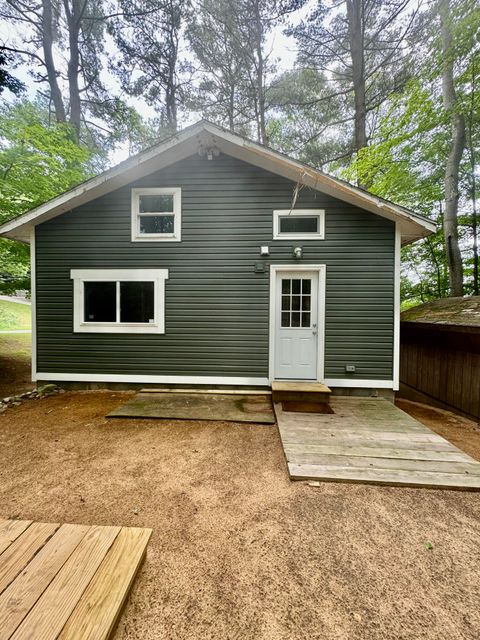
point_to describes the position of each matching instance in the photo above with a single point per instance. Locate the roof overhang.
(202, 136)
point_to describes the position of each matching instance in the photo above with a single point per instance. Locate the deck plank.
(10, 530)
(384, 476)
(22, 550)
(370, 440)
(20, 596)
(373, 451)
(96, 614)
(49, 615)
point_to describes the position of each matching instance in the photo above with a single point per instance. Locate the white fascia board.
(351, 383)
(270, 160)
(177, 148)
(188, 142)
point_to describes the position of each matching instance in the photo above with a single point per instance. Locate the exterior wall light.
(298, 252)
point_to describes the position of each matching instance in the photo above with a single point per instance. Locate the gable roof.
(202, 136)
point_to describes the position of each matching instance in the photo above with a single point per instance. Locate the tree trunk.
(74, 16)
(47, 46)
(260, 64)
(452, 168)
(357, 52)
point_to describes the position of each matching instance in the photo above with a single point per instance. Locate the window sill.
(155, 238)
(103, 327)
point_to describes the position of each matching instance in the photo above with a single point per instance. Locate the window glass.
(156, 203)
(100, 301)
(157, 224)
(296, 303)
(136, 301)
(298, 224)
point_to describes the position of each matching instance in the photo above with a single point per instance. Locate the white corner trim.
(396, 309)
(80, 276)
(176, 236)
(33, 305)
(351, 383)
(321, 269)
(280, 213)
(150, 379)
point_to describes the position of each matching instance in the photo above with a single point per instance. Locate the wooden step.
(299, 391)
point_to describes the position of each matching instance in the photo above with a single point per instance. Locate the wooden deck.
(65, 581)
(369, 440)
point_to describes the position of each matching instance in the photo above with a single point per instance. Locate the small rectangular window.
(299, 224)
(119, 300)
(156, 214)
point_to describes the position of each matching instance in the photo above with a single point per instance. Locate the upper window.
(119, 300)
(156, 214)
(299, 224)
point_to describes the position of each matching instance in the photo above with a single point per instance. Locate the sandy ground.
(15, 364)
(463, 433)
(238, 551)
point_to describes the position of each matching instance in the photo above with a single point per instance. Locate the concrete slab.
(198, 406)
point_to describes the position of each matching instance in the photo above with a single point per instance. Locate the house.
(212, 259)
(440, 354)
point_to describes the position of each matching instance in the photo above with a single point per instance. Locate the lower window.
(119, 300)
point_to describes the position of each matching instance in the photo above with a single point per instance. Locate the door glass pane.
(295, 318)
(156, 204)
(306, 286)
(136, 302)
(305, 303)
(306, 319)
(295, 303)
(298, 224)
(286, 319)
(100, 301)
(296, 286)
(157, 224)
(286, 286)
(285, 303)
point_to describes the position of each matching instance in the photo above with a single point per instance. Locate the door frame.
(275, 269)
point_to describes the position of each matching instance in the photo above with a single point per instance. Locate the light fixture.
(264, 250)
(297, 252)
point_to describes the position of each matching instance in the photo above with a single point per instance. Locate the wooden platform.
(370, 440)
(299, 391)
(65, 581)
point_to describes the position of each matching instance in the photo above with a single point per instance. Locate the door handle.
(314, 331)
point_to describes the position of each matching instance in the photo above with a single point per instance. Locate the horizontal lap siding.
(216, 306)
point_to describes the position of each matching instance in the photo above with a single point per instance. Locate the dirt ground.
(463, 433)
(238, 551)
(15, 364)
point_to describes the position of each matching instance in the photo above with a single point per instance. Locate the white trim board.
(351, 383)
(306, 213)
(322, 270)
(196, 139)
(396, 310)
(33, 300)
(147, 379)
(136, 193)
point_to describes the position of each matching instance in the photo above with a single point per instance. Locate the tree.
(38, 160)
(7, 80)
(148, 38)
(456, 149)
(360, 47)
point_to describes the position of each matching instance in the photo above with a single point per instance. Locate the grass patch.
(14, 316)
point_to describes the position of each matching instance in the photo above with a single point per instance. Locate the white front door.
(296, 325)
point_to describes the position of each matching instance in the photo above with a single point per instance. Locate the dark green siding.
(216, 306)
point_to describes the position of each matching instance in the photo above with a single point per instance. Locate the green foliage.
(38, 161)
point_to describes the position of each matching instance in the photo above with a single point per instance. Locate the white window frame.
(284, 213)
(176, 236)
(157, 276)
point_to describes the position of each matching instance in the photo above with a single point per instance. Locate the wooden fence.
(443, 363)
